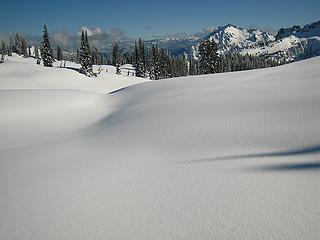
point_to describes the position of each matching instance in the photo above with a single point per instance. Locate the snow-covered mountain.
(295, 43)
(233, 38)
(309, 30)
(292, 43)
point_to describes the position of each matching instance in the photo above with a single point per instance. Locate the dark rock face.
(297, 30)
(286, 32)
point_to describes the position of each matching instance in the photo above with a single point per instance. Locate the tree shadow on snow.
(300, 151)
(119, 90)
(307, 166)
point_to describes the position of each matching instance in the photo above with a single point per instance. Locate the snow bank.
(20, 73)
(225, 156)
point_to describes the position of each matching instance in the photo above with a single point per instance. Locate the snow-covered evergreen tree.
(166, 64)
(152, 63)
(3, 50)
(36, 52)
(46, 50)
(208, 62)
(29, 51)
(85, 56)
(24, 49)
(59, 53)
(9, 51)
(140, 59)
(193, 66)
(94, 56)
(78, 55)
(11, 47)
(18, 44)
(116, 58)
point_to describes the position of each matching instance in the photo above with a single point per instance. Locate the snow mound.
(35, 116)
(222, 156)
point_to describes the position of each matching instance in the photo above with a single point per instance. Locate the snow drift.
(225, 156)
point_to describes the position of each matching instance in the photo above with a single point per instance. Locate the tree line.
(149, 61)
(158, 63)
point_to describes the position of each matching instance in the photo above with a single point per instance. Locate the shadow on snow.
(306, 166)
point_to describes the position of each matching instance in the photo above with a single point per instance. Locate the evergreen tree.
(182, 66)
(18, 44)
(140, 59)
(78, 56)
(46, 50)
(208, 62)
(29, 51)
(94, 56)
(127, 58)
(24, 48)
(152, 63)
(59, 53)
(36, 52)
(166, 64)
(9, 51)
(85, 56)
(192, 66)
(135, 56)
(116, 58)
(11, 47)
(3, 50)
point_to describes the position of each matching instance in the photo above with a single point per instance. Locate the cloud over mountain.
(99, 38)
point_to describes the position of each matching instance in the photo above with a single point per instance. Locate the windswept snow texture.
(225, 156)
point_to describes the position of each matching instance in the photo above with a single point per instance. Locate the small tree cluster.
(231, 62)
(208, 57)
(19, 46)
(161, 64)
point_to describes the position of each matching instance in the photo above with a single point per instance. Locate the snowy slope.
(225, 156)
(15, 71)
(31, 91)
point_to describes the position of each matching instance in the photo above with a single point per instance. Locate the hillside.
(224, 156)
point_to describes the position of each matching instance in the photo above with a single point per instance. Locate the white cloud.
(90, 31)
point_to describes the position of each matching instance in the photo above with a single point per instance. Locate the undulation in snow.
(223, 156)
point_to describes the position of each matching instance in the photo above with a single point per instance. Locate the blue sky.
(150, 18)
